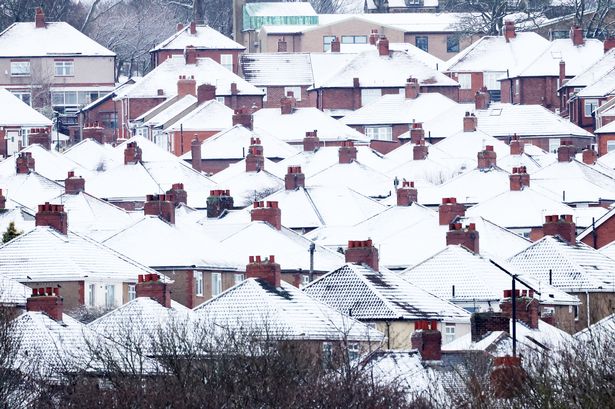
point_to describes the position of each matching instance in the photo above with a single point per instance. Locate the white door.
(12, 142)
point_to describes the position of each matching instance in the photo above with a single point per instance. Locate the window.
(132, 292)
(353, 351)
(422, 42)
(220, 100)
(295, 90)
(305, 280)
(589, 106)
(354, 39)
(109, 295)
(465, 80)
(449, 333)
(239, 278)
(327, 354)
(24, 96)
(64, 68)
(490, 79)
(379, 133)
(610, 146)
(264, 89)
(198, 283)
(414, 3)
(517, 86)
(20, 68)
(216, 284)
(64, 98)
(554, 144)
(452, 44)
(369, 95)
(91, 295)
(326, 42)
(226, 60)
(574, 309)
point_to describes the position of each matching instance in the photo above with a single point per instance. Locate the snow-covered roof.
(598, 222)
(404, 368)
(577, 58)
(286, 311)
(56, 39)
(158, 244)
(206, 71)
(378, 71)
(247, 187)
(16, 113)
(211, 115)
(93, 156)
(48, 163)
(601, 88)
(29, 189)
(494, 53)
(594, 72)
(601, 330)
(574, 267)
(397, 109)
(178, 109)
(43, 255)
(427, 172)
(473, 186)
(608, 160)
(412, 50)
(365, 294)
(506, 120)
(458, 275)
(279, 69)
(356, 176)
(317, 206)
(13, 292)
(326, 64)
(608, 128)
(205, 37)
(292, 127)
(233, 143)
(608, 250)
(519, 209)
(407, 22)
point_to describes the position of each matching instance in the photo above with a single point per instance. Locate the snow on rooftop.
(211, 115)
(93, 156)
(56, 39)
(29, 189)
(608, 250)
(286, 311)
(205, 37)
(292, 127)
(603, 329)
(247, 187)
(16, 113)
(412, 50)
(178, 108)
(279, 69)
(473, 186)
(356, 176)
(13, 292)
(602, 87)
(594, 72)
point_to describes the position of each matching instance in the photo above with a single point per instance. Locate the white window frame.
(449, 332)
(220, 100)
(239, 277)
(64, 68)
(326, 43)
(110, 295)
(379, 133)
(354, 39)
(24, 96)
(490, 79)
(296, 92)
(610, 146)
(91, 295)
(305, 280)
(198, 283)
(465, 80)
(353, 351)
(20, 69)
(132, 292)
(554, 143)
(591, 103)
(264, 89)
(517, 86)
(370, 95)
(216, 284)
(226, 60)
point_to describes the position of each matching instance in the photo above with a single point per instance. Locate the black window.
(422, 42)
(452, 44)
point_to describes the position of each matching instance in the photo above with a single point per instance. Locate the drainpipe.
(588, 320)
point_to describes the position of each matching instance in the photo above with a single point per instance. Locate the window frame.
(239, 278)
(326, 43)
(420, 39)
(452, 43)
(352, 39)
(593, 102)
(67, 68)
(109, 295)
(377, 132)
(610, 145)
(198, 283)
(91, 295)
(296, 92)
(132, 292)
(15, 63)
(216, 284)
(466, 83)
(226, 64)
(449, 332)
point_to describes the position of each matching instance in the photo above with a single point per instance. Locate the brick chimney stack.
(481, 99)
(383, 46)
(24, 163)
(347, 152)
(2, 201)
(449, 210)
(373, 36)
(132, 154)
(94, 131)
(609, 43)
(311, 141)
(362, 252)
(180, 27)
(186, 86)
(407, 194)
(190, 55)
(243, 116)
(193, 27)
(336, 46)
(519, 179)
(509, 30)
(576, 35)
(40, 136)
(48, 301)
(420, 151)
(482, 323)
(73, 185)
(417, 133)
(561, 226)
(39, 18)
(160, 205)
(526, 307)
(566, 152)
(467, 236)
(516, 146)
(255, 159)
(282, 45)
(205, 92)
(427, 340)
(177, 194)
(267, 270)
(590, 156)
(150, 286)
(294, 178)
(234, 88)
(487, 158)
(288, 103)
(218, 202)
(267, 212)
(469, 122)
(412, 88)
(195, 150)
(52, 215)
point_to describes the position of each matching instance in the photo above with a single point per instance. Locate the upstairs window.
(216, 284)
(354, 39)
(379, 133)
(226, 60)
(20, 68)
(422, 42)
(326, 42)
(64, 68)
(296, 92)
(449, 333)
(198, 283)
(239, 277)
(132, 292)
(590, 106)
(452, 44)
(465, 80)
(369, 95)
(109, 296)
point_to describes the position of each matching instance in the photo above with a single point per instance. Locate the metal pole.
(312, 250)
(514, 316)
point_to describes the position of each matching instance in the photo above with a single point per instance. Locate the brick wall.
(71, 291)
(275, 94)
(158, 57)
(182, 144)
(238, 101)
(605, 234)
(602, 140)
(600, 305)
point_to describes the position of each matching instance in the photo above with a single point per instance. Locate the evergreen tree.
(10, 233)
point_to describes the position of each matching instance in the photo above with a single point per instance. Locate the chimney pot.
(590, 156)
(335, 45)
(576, 35)
(383, 46)
(407, 194)
(487, 158)
(468, 237)
(294, 178)
(52, 216)
(562, 226)
(73, 185)
(469, 122)
(449, 210)
(24, 163)
(429, 344)
(566, 151)
(243, 116)
(48, 302)
(267, 270)
(190, 54)
(481, 99)
(362, 252)
(347, 152)
(509, 30)
(270, 213)
(192, 27)
(412, 88)
(311, 141)
(132, 154)
(527, 308)
(152, 287)
(161, 206)
(373, 36)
